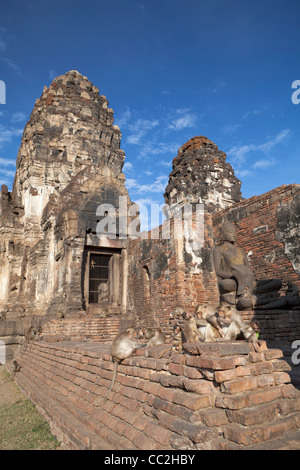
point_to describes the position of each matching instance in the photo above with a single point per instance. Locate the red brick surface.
(186, 401)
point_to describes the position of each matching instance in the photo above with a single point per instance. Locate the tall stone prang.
(201, 175)
(68, 164)
(70, 128)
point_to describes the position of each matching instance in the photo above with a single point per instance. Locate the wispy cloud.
(219, 84)
(156, 186)
(151, 149)
(139, 129)
(12, 65)
(239, 154)
(7, 162)
(52, 74)
(142, 7)
(7, 134)
(124, 118)
(9, 173)
(18, 117)
(265, 163)
(185, 118)
(230, 129)
(251, 113)
(128, 167)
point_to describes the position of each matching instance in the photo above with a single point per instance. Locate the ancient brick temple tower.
(68, 164)
(82, 288)
(201, 174)
(53, 264)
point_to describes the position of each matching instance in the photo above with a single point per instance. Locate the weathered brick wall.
(259, 222)
(164, 273)
(275, 325)
(213, 396)
(87, 327)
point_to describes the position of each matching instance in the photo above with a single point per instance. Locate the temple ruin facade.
(58, 273)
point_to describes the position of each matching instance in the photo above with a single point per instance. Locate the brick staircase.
(219, 395)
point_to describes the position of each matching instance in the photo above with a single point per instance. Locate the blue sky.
(171, 70)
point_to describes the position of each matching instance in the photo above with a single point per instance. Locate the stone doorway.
(102, 279)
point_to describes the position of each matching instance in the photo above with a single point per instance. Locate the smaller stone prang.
(201, 175)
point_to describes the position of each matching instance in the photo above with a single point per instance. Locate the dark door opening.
(99, 289)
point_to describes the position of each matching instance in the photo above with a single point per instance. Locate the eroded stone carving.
(236, 281)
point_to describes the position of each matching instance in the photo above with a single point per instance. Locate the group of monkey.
(206, 324)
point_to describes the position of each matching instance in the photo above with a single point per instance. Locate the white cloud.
(159, 148)
(8, 173)
(238, 154)
(249, 113)
(124, 118)
(7, 134)
(243, 173)
(157, 186)
(230, 129)
(18, 117)
(167, 164)
(12, 65)
(52, 74)
(219, 84)
(185, 119)
(139, 129)
(7, 162)
(128, 167)
(265, 163)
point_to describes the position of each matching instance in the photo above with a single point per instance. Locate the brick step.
(290, 441)
(93, 432)
(85, 401)
(218, 396)
(74, 433)
(251, 435)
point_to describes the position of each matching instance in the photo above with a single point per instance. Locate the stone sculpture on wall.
(236, 281)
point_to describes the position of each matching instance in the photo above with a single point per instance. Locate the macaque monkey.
(235, 326)
(176, 314)
(176, 338)
(175, 342)
(208, 323)
(105, 313)
(32, 334)
(15, 368)
(190, 332)
(123, 346)
(292, 290)
(155, 336)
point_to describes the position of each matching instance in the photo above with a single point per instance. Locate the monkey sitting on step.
(190, 332)
(208, 323)
(123, 346)
(176, 338)
(155, 336)
(234, 325)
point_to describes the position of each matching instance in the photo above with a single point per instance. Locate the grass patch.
(23, 428)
